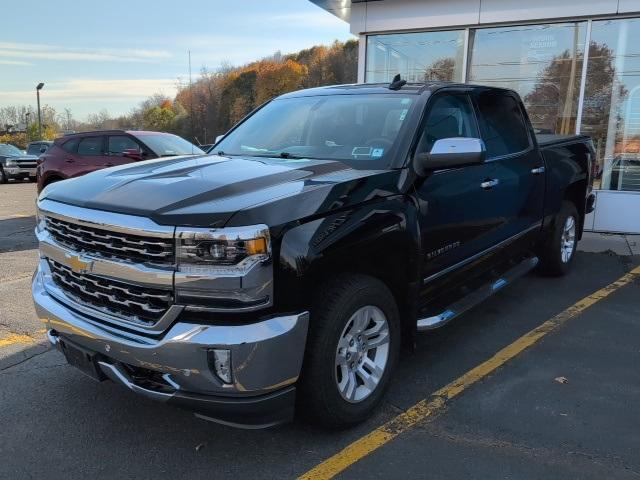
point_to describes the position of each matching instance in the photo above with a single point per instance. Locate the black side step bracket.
(477, 296)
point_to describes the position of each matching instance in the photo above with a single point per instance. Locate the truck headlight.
(11, 163)
(223, 250)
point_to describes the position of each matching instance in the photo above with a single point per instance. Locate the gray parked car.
(15, 164)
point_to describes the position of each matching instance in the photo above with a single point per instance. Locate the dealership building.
(576, 64)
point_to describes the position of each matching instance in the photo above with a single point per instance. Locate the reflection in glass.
(611, 111)
(417, 57)
(543, 63)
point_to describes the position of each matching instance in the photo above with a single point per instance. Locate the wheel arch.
(380, 240)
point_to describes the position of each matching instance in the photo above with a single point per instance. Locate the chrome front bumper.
(266, 357)
(20, 171)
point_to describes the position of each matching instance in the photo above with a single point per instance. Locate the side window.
(504, 128)
(90, 146)
(119, 143)
(449, 116)
(70, 145)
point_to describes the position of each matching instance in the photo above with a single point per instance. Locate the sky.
(112, 55)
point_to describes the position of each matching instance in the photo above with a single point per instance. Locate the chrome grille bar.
(138, 304)
(111, 244)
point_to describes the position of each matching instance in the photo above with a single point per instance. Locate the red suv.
(80, 153)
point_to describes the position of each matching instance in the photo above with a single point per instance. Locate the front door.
(458, 207)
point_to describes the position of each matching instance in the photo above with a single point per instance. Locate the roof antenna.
(397, 83)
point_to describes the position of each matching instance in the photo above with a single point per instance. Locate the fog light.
(220, 360)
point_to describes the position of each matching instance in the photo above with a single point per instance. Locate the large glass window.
(611, 111)
(417, 57)
(543, 63)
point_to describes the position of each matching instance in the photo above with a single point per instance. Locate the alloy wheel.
(362, 354)
(568, 239)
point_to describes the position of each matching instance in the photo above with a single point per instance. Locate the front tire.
(558, 255)
(352, 351)
(3, 176)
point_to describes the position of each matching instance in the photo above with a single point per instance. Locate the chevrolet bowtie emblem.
(79, 264)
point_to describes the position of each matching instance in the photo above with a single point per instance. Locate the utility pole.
(38, 88)
(191, 99)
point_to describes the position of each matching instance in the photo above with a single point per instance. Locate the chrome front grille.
(132, 303)
(111, 244)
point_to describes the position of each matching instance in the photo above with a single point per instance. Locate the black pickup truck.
(289, 267)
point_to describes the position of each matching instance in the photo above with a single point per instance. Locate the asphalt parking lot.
(520, 420)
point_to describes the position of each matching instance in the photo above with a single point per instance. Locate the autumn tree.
(274, 79)
(552, 103)
(442, 70)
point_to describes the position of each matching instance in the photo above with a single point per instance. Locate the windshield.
(168, 145)
(9, 150)
(35, 148)
(359, 129)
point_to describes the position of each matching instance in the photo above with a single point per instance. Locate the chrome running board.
(477, 296)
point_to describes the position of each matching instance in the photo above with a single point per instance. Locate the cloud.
(16, 62)
(90, 89)
(56, 52)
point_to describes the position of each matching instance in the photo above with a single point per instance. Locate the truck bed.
(550, 139)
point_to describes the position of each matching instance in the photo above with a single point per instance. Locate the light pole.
(38, 88)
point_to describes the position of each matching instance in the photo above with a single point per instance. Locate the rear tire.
(352, 351)
(559, 252)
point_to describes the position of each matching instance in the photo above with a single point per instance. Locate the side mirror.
(43, 149)
(218, 138)
(451, 153)
(132, 153)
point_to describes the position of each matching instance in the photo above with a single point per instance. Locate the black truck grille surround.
(114, 245)
(26, 163)
(136, 304)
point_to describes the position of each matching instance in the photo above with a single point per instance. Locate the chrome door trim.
(478, 255)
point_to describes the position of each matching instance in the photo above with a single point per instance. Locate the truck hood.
(217, 190)
(20, 158)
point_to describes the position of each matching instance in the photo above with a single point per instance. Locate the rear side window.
(70, 145)
(119, 143)
(503, 125)
(90, 146)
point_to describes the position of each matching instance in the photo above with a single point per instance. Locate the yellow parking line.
(428, 407)
(19, 338)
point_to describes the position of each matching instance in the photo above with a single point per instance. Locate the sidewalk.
(619, 244)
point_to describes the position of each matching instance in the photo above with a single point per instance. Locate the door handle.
(108, 164)
(489, 184)
(537, 171)
(69, 160)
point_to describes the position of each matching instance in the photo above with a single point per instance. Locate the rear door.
(90, 155)
(458, 217)
(517, 166)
